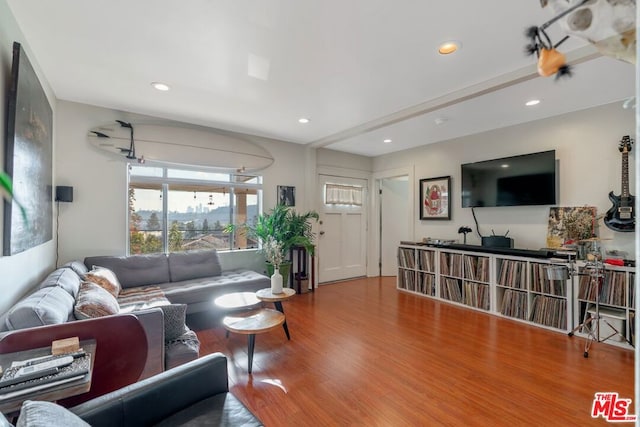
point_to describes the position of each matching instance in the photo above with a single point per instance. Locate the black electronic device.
(64, 193)
(524, 180)
(532, 253)
(497, 241)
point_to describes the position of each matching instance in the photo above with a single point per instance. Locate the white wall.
(18, 273)
(96, 222)
(586, 145)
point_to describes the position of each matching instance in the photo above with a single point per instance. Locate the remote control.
(77, 354)
(26, 377)
(56, 363)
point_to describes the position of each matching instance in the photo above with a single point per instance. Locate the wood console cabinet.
(516, 287)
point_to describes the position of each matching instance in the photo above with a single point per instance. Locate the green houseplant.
(286, 226)
(6, 189)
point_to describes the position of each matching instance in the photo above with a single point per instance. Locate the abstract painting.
(28, 159)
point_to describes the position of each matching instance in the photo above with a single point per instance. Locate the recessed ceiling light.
(303, 120)
(440, 120)
(532, 102)
(449, 47)
(160, 86)
(387, 141)
(504, 165)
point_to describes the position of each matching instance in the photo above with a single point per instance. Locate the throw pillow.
(94, 301)
(46, 414)
(105, 278)
(174, 321)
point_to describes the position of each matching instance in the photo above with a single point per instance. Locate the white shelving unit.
(517, 287)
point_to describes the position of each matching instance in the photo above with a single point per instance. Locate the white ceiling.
(361, 70)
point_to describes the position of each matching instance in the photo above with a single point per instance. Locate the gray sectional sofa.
(194, 278)
(149, 284)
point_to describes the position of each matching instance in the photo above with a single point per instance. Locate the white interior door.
(342, 240)
(393, 209)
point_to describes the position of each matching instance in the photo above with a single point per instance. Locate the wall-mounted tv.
(525, 180)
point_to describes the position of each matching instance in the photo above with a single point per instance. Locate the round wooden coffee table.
(252, 323)
(237, 301)
(267, 296)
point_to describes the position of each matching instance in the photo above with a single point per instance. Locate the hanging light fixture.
(211, 200)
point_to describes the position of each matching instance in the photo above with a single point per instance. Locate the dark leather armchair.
(196, 393)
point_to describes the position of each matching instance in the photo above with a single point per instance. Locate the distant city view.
(190, 226)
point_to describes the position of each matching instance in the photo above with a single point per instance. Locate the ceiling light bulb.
(387, 141)
(449, 47)
(303, 120)
(532, 102)
(160, 86)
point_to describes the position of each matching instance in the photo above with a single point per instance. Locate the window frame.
(164, 183)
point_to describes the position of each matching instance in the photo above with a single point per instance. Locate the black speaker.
(64, 194)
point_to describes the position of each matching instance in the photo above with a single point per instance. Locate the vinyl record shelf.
(517, 287)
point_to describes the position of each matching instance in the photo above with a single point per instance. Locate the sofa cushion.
(136, 270)
(181, 350)
(43, 414)
(65, 278)
(193, 265)
(94, 301)
(77, 266)
(174, 320)
(46, 306)
(222, 409)
(208, 288)
(104, 278)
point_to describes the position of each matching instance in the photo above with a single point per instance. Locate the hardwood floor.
(363, 353)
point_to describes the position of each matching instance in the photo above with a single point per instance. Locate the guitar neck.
(624, 194)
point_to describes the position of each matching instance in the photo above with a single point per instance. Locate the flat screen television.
(525, 180)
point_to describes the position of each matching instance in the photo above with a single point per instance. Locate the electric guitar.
(621, 216)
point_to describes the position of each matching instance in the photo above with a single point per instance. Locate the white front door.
(342, 240)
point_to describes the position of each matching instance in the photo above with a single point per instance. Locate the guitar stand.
(596, 274)
(593, 332)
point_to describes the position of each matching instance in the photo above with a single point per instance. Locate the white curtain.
(340, 194)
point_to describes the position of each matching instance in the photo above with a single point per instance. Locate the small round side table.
(266, 295)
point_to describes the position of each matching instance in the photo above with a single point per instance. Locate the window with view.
(174, 210)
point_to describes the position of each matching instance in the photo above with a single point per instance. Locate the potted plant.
(286, 226)
(6, 189)
(274, 255)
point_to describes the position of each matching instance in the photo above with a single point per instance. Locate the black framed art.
(28, 159)
(286, 195)
(435, 198)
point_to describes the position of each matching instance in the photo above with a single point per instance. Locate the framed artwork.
(28, 159)
(286, 195)
(435, 200)
(568, 225)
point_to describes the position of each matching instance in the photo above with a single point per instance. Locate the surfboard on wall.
(181, 146)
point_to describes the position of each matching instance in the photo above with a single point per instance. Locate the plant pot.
(285, 269)
(304, 282)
